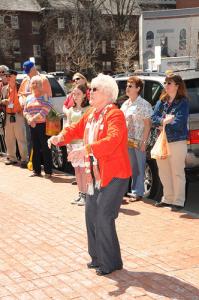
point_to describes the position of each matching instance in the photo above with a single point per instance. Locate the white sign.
(158, 55)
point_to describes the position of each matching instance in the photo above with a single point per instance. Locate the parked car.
(153, 86)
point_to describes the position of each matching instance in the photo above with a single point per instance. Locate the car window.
(57, 90)
(193, 93)
(152, 91)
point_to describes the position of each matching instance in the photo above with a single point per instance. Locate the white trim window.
(3, 43)
(15, 22)
(60, 23)
(104, 47)
(35, 27)
(36, 50)
(1, 20)
(16, 46)
(113, 44)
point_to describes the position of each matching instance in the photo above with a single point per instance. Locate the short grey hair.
(4, 68)
(108, 84)
(36, 78)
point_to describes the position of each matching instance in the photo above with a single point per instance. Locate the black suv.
(153, 85)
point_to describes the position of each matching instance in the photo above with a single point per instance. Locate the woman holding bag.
(172, 112)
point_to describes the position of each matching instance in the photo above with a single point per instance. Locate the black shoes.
(162, 204)
(92, 265)
(9, 162)
(173, 207)
(100, 272)
(34, 174)
(176, 207)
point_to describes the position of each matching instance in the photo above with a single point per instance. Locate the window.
(60, 22)
(126, 44)
(112, 44)
(36, 50)
(35, 27)
(182, 39)
(152, 91)
(1, 20)
(193, 92)
(15, 22)
(149, 39)
(16, 46)
(2, 43)
(106, 65)
(17, 66)
(126, 26)
(103, 47)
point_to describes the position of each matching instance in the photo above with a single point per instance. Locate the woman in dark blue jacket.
(172, 111)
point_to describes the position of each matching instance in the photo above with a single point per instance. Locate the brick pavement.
(43, 248)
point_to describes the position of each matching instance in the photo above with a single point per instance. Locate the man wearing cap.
(24, 90)
(15, 126)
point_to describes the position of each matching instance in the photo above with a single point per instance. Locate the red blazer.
(110, 149)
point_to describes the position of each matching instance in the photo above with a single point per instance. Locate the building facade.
(38, 29)
(176, 31)
(187, 3)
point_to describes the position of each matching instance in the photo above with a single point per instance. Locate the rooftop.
(20, 5)
(177, 13)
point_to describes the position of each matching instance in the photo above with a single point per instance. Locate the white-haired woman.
(36, 109)
(103, 129)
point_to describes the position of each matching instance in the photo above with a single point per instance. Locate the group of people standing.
(114, 148)
(26, 109)
(107, 146)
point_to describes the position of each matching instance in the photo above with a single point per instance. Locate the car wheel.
(59, 157)
(152, 183)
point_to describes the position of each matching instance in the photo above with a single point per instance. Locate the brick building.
(187, 3)
(20, 32)
(24, 25)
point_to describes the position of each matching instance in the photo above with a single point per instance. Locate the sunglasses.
(2, 72)
(93, 89)
(168, 82)
(8, 75)
(130, 86)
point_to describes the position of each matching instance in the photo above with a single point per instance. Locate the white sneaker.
(75, 201)
(82, 200)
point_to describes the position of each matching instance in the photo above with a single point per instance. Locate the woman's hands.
(168, 119)
(31, 122)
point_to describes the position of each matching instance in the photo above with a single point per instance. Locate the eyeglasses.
(93, 89)
(2, 72)
(130, 86)
(168, 82)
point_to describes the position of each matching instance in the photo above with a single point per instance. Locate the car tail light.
(194, 136)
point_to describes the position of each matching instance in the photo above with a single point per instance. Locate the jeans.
(138, 161)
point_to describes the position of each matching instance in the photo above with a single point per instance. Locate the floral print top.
(135, 112)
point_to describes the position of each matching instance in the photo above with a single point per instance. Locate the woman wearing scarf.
(107, 170)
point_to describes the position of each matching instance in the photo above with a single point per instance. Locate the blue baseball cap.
(27, 66)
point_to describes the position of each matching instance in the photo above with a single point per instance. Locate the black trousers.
(102, 209)
(40, 149)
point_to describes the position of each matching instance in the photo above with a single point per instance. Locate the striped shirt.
(35, 106)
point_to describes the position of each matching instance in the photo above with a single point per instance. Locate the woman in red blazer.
(107, 170)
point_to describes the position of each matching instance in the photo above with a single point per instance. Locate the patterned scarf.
(93, 126)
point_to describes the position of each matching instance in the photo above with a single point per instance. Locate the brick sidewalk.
(43, 248)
